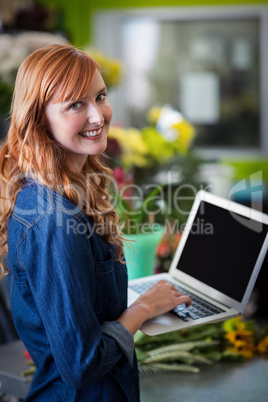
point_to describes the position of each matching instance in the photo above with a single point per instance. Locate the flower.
(140, 154)
(153, 114)
(241, 339)
(134, 150)
(111, 69)
(159, 149)
(149, 146)
(187, 349)
(166, 249)
(263, 345)
(185, 134)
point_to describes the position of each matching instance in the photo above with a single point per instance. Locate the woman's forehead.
(65, 92)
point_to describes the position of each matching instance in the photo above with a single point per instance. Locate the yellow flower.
(153, 114)
(148, 147)
(111, 69)
(241, 339)
(263, 345)
(243, 350)
(186, 133)
(133, 147)
(158, 148)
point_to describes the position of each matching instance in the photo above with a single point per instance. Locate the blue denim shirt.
(66, 291)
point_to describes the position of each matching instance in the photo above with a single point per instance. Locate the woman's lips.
(91, 134)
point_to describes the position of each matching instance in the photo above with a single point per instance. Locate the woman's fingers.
(172, 288)
(186, 300)
(163, 297)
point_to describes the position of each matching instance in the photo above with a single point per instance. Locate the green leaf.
(165, 368)
(186, 346)
(141, 356)
(229, 355)
(215, 356)
(29, 372)
(138, 337)
(138, 213)
(212, 331)
(230, 325)
(149, 342)
(175, 356)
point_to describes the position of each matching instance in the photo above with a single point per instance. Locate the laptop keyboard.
(199, 308)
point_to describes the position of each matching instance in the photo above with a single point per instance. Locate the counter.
(220, 382)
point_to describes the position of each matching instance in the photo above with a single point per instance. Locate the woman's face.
(81, 126)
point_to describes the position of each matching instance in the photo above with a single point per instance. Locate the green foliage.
(175, 357)
(187, 349)
(5, 98)
(132, 216)
(165, 368)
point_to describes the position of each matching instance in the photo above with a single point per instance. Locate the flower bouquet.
(138, 155)
(167, 137)
(188, 349)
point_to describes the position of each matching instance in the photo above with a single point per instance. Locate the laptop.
(217, 262)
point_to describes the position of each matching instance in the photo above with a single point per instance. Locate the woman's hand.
(159, 299)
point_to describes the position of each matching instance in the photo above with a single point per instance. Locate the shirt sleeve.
(125, 339)
(60, 270)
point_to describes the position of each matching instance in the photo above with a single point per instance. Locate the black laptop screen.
(222, 249)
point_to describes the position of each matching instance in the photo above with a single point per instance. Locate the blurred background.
(206, 60)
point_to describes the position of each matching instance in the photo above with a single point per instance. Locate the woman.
(67, 280)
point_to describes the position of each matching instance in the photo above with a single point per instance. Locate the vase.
(140, 254)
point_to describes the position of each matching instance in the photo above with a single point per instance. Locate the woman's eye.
(76, 106)
(101, 97)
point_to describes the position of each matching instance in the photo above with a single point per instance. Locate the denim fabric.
(66, 291)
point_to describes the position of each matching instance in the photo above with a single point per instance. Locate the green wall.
(160, 3)
(76, 14)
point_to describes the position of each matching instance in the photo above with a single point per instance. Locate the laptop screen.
(226, 247)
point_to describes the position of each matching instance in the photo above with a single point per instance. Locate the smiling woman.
(65, 263)
(81, 126)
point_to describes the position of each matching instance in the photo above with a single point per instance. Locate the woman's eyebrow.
(103, 89)
(84, 97)
(75, 100)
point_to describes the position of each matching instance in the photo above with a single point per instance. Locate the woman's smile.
(91, 134)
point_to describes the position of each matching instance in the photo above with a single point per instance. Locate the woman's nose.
(94, 115)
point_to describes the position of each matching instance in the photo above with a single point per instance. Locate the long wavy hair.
(29, 149)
